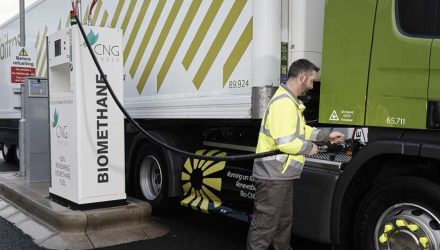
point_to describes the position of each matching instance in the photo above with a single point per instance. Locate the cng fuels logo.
(104, 51)
(55, 118)
(92, 38)
(61, 131)
(201, 182)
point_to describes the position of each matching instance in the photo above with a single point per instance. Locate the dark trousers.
(272, 218)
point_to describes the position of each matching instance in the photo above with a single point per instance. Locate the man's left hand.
(336, 137)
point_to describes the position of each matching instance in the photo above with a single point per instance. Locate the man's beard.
(306, 90)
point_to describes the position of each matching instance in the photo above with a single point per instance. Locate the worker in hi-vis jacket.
(283, 127)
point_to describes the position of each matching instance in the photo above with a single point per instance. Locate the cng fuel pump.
(86, 127)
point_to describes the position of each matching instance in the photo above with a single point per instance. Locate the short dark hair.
(301, 65)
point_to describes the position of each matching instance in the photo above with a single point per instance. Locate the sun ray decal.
(199, 182)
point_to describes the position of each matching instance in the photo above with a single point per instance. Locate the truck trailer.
(199, 74)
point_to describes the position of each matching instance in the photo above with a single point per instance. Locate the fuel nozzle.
(322, 148)
(328, 147)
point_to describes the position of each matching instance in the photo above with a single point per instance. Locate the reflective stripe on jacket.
(283, 127)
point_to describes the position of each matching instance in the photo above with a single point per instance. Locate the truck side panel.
(346, 58)
(182, 59)
(8, 100)
(190, 59)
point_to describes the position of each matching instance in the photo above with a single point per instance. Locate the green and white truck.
(198, 75)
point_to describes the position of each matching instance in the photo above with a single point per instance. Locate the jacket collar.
(295, 99)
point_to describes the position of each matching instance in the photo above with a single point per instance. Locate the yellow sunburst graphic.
(200, 183)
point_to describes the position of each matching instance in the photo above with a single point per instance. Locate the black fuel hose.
(152, 138)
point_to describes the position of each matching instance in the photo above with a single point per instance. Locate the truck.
(199, 74)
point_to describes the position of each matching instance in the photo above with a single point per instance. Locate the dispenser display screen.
(58, 47)
(37, 88)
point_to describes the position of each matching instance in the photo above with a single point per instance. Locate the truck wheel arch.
(363, 160)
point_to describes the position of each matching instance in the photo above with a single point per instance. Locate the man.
(283, 127)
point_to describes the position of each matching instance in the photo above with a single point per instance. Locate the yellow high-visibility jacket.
(283, 127)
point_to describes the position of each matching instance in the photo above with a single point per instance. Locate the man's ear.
(302, 77)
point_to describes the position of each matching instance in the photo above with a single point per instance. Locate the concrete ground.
(192, 230)
(50, 225)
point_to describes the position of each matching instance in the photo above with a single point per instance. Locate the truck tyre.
(399, 213)
(9, 153)
(151, 177)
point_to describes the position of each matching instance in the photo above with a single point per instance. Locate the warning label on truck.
(347, 115)
(334, 116)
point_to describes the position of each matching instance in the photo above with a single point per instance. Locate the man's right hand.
(314, 150)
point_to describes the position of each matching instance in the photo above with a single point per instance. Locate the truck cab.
(380, 71)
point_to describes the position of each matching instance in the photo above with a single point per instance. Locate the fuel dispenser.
(86, 127)
(35, 129)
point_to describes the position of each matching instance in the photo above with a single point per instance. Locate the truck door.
(433, 119)
(399, 67)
